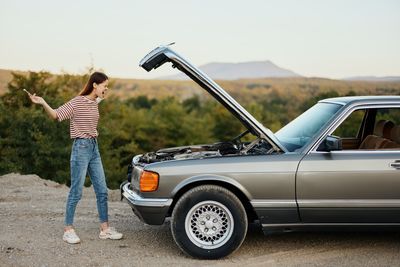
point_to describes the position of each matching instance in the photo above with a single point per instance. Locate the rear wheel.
(209, 222)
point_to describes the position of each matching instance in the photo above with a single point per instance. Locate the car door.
(351, 185)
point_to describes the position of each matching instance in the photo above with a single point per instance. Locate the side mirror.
(330, 143)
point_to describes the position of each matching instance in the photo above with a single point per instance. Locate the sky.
(330, 38)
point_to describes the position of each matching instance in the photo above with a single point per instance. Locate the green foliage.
(141, 102)
(350, 127)
(310, 102)
(225, 126)
(30, 142)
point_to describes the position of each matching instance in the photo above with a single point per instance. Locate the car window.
(380, 132)
(390, 114)
(351, 125)
(299, 132)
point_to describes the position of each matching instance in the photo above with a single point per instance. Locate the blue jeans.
(85, 159)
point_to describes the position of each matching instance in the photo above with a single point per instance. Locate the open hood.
(163, 54)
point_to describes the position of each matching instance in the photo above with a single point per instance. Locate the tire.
(209, 222)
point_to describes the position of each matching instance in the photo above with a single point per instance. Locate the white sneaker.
(71, 237)
(110, 233)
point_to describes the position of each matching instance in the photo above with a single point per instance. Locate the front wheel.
(209, 222)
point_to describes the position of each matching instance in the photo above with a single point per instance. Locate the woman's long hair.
(96, 77)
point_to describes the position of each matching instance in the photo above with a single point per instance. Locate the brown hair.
(96, 77)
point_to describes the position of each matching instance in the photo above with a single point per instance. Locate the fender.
(208, 177)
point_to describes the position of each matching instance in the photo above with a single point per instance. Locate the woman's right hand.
(39, 100)
(36, 99)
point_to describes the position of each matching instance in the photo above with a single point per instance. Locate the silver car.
(336, 165)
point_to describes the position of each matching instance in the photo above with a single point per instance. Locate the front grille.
(129, 174)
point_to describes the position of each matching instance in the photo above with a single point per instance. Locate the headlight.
(148, 181)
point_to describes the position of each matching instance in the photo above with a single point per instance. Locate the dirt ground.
(32, 213)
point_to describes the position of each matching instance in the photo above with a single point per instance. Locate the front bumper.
(149, 210)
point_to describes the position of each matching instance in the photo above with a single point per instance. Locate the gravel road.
(32, 213)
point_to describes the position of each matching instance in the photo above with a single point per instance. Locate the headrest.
(383, 127)
(387, 129)
(395, 134)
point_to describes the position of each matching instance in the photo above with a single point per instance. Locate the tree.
(30, 142)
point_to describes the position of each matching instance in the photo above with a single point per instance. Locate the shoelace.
(109, 230)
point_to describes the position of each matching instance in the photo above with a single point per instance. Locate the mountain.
(374, 78)
(243, 70)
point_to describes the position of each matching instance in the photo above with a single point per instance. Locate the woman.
(83, 113)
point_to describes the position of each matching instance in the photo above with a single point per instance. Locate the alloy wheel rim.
(209, 224)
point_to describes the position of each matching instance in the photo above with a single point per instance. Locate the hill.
(245, 90)
(374, 78)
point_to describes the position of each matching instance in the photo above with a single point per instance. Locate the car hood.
(163, 54)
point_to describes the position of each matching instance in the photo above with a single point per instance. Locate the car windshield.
(297, 133)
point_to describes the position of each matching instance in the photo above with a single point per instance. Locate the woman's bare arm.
(39, 100)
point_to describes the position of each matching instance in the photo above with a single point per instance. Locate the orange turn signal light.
(148, 181)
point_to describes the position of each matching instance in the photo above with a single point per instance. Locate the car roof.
(346, 100)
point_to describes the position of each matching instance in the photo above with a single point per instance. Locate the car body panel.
(150, 211)
(248, 171)
(349, 186)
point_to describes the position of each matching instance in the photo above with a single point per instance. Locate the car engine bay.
(226, 148)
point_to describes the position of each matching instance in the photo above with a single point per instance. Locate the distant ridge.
(243, 70)
(374, 78)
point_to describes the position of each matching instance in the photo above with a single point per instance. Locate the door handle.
(395, 164)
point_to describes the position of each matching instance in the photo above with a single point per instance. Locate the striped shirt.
(83, 114)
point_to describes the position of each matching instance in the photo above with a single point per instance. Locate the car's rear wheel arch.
(251, 214)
